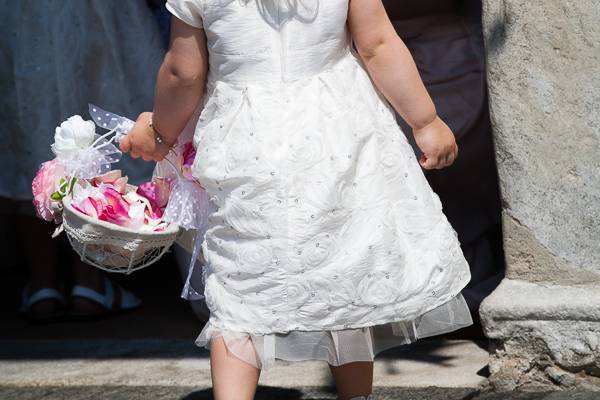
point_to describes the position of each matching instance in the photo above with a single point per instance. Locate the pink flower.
(44, 184)
(189, 154)
(89, 206)
(157, 192)
(116, 209)
(107, 205)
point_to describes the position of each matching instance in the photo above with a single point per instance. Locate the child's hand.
(437, 143)
(141, 142)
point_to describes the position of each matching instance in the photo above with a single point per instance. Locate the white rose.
(73, 135)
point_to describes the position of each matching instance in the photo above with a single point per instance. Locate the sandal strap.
(115, 298)
(105, 300)
(39, 295)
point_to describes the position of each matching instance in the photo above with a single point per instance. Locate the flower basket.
(110, 224)
(111, 247)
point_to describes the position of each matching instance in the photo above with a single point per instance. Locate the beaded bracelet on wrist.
(158, 137)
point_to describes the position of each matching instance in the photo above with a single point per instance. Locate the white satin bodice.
(280, 42)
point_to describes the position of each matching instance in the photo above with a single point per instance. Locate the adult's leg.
(353, 379)
(41, 254)
(232, 378)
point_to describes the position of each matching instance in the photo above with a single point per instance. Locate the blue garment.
(163, 17)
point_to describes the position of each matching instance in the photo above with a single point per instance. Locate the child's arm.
(395, 74)
(179, 86)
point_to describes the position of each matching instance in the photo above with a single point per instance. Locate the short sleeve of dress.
(189, 11)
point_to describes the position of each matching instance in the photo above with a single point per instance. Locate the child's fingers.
(450, 159)
(453, 155)
(431, 162)
(125, 144)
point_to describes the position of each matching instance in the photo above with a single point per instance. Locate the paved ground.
(159, 362)
(271, 393)
(174, 369)
(150, 354)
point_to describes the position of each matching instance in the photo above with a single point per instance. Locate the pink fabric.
(189, 154)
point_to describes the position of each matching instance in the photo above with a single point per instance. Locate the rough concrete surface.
(543, 335)
(272, 393)
(543, 60)
(275, 393)
(439, 363)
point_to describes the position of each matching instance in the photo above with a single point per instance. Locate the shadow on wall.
(497, 33)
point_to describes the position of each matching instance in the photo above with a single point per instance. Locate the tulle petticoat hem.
(338, 347)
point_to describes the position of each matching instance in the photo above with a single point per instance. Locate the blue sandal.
(29, 299)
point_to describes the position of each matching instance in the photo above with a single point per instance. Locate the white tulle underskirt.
(338, 347)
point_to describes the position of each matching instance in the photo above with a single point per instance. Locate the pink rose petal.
(109, 177)
(90, 207)
(115, 200)
(157, 192)
(121, 184)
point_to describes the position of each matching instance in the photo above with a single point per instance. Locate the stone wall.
(544, 82)
(543, 321)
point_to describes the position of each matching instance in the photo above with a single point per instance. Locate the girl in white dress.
(326, 241)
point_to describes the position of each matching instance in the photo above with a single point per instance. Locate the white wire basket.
(111, 247)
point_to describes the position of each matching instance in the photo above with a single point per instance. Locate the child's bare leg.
(353, 379)
(232, 378)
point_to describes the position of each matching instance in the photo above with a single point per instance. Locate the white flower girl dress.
(326, 241)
